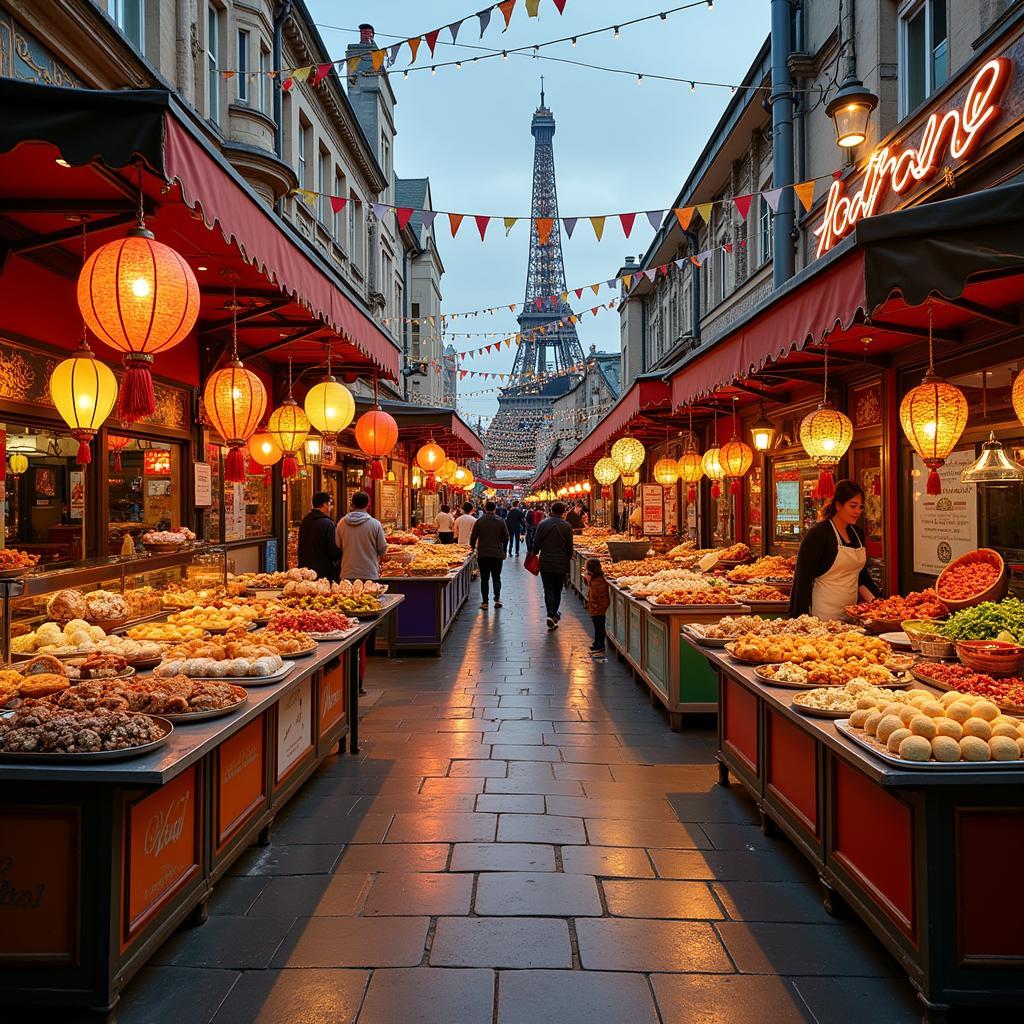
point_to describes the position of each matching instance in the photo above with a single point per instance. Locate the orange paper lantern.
(735, 457)
(376, 435)
(235, 401)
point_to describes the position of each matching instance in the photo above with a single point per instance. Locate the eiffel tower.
(547, 364)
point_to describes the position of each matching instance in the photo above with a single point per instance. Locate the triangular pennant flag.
(805, 193)
(684, 216)
(427, 217)
(431, 38)
(510, 223)
(402, 215)
(704, 209)
(594, 310)
(302, 74)
(485, 20)
(506, 10)
(228, 75)
(695, 261)
(508, 341)
(626, 280)
(595, 288)
(574, 319)
(544, 226)
(511, 307)
(338, 203)
(454, 29)
(597, 223)
(772, 196)
(322, 71)
(537, 303)
(570, 225)
(353, 64)
(742, 204)
(655, 217)
(454, 220)
(651, 275)
(377, 59)
(379, 209)
(613, 283)
(626, 220)
(560, 4)
(393, 55)
(414, 46)
(308, 196)
(462, 374)
(481, 224)
(430, 320)
(579, 293)
(727, 246)
(565, 296)
(532, 8)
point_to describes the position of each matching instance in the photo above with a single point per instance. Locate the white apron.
(839, 587)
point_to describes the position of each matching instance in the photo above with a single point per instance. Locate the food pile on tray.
(842, 701)
(923, 604)
(274, 580)
(829, 673)
(732, 626)
(333, 603)
(77, 637)
(285, 641)
(215, 620)
(1006, 691)
(165, 632)
(237, 655)
(174, 695)
(770, 568)
(47, 729)
(315, 623)
(324, 587)
(797, 649)
(96, 606)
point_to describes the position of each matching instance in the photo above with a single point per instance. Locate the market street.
(521, 838)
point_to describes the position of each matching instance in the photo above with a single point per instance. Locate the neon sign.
(959, 130)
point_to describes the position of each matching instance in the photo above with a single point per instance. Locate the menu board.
(946, 524)
(203, 484)
(389, 503)
(234, 512)
(652, 499)
(294, 726)
(672, 509)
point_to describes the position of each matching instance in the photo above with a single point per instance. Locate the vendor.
(831, 566)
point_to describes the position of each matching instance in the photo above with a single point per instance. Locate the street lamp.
(850, 110)
(763, 431)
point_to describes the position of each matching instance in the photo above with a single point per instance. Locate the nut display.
(44, 728)
(175, 695)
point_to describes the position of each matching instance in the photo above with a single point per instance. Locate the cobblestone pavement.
(521, 839)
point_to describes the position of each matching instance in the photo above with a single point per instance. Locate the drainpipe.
(406, 330)
(691, 237)
(801, 104)
(783, 263)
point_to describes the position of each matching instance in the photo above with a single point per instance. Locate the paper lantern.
(1017, 396)
(263, 453)
(376, 435)
(713, 470)
(116, 443)
(606, 472)
(762, 432)
(628, 454)
(84, 391)
(17, 463)
(825, 435)
(141, 298)
(462, 478)
(430, 458)
(329, 407)
(691, 469)
(666, 472)
(447, 470)
(235, 401)
(586, 486)
(933, 416)
(629, 482)
(288, 427)
(735, 457)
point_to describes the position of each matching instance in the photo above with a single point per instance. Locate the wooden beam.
(995, 316)
(34, 242)
(246, 315)
(284, 342)
(915, 332)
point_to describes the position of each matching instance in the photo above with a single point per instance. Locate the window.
(924, 53)
(323, 184)
(300, 170)
(723, 270)
(385, 163)
(355, 227)
(765, 225)
(386, 282)
(415, 334)
(213, 61)
(339, 190)
(129, 17)
(243, 66)
(265, 82)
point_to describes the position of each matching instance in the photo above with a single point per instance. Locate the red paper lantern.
(376, 435)
(116, 443)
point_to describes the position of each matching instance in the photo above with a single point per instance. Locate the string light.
(504, 55)
(574, 42)
(458, 64)
(639, 79)
(693, 87)
(616, 31)
(433, 71)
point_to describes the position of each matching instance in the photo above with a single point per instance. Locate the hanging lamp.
(235, 401)
(691, 468)
(993, 466)
(264, 452)
(447, 470)
(762, 432)
(629, 482)
(329, 405)
(933, 416)
(430, 458)
(116, 443)
(712, 466)
(141, 298)
(825, 435)
(606, 473)
(17, 463)
(735, 456)
(376, 435)
(628, 454)
(288, 427)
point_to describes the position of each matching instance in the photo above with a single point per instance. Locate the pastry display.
(274, 580)
(839, 648)
(802, 625)
(98, 666)
(828, 673)
(401, 537)
(175, 695)
(310, 622)
(165, 632)
(66, 604)
(177, 595)
(45, 728)
(130, 649)
(713, 596)
(12, 559)
(771, 567)
(75, 638)
(735, 553)
(638, 567)
(216, 620)
(844, 699)
(181, 535)
(334, 603)
(285, 641)
(143, 601)
(346, 588)
(1007, 691)
(389, 569)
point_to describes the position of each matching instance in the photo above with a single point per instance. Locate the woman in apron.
(831, 566)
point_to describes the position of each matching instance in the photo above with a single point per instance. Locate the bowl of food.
(937, 648)
(919, 630)
(973, 578)
(993, 657)
(628, 550)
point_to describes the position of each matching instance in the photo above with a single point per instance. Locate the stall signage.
(203, 484)
(162, 846)
(76, 482)
(957, 131)
(294, 727)
(946, 524)
(671, 509)
(240, 778)
(652, 498)
(389, 503)
(156, 462)
(332, 697)
(38, 885)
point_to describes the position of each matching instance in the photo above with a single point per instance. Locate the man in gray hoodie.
(362, 541)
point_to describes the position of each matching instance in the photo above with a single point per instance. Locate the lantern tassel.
(377, 470)
(290, 467)
(234, 467)
(431, 483)
(117, 462)
(84, 452)
(736, 487)
(934, 485)
(716, 490)
(826, 484)
(691, 494)
(136, 400)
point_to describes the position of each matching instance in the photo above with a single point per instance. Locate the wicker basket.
(628, 550)
(996, 592)
(994, 657)
(937, 648)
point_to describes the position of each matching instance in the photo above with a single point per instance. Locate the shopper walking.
(516, 523)
(598, 599)
(318, 549)
(490, 539)
(574, 519)
(445, 523)
(465, 523)
(552, 543)
(531, 527)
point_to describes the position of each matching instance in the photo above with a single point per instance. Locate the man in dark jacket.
(490, 538)
(552, 542)
(516, 523)
(574, 519)
(318, 550)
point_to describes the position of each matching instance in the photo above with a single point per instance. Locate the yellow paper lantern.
(17, 463)
(235, 400)
(825, 435)
(84, 391)
(628, 454)
(447, 470)
(606, 472)
(329, 407)
(933, 416)
(288, 427)
(666, 472)
(712, 467)
(735, 457)
(430, 458)
(1017, 396)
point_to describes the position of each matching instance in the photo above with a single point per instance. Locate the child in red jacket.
(598, 599)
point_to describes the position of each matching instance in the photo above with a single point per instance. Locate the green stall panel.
(657, 667)
(698, 682)
(619, 603)
(635, 647)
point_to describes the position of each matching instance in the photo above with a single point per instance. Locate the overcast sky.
(619, 145)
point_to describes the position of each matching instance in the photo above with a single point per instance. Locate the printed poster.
(203, 484)
(652, 499)
(946, 524)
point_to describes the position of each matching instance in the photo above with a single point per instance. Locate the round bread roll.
(892, 708)
(945, 748)
(949, 727)
(887, 726)
(948, 698)
(871, 722)
(978, 727)
(932, 708)
(1020, 745)
(915, 748)
(959, 711)
(923, 725)
(1004, 729)
(973, 748)
(907, 712)
(858, 718)
(865, 702)
(896, 737)
(1006, 720)
(987, 710)
(1002, 748)
(918, 692)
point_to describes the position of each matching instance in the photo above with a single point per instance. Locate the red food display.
(924, 604)
(1008, 690)
(970, 576)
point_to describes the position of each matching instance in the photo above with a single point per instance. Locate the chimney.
(630, 260)
(366, 34)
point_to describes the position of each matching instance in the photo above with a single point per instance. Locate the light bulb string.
(140, 211)
(931, 343)
(234, 325)
(85, 254)
(825, 395)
